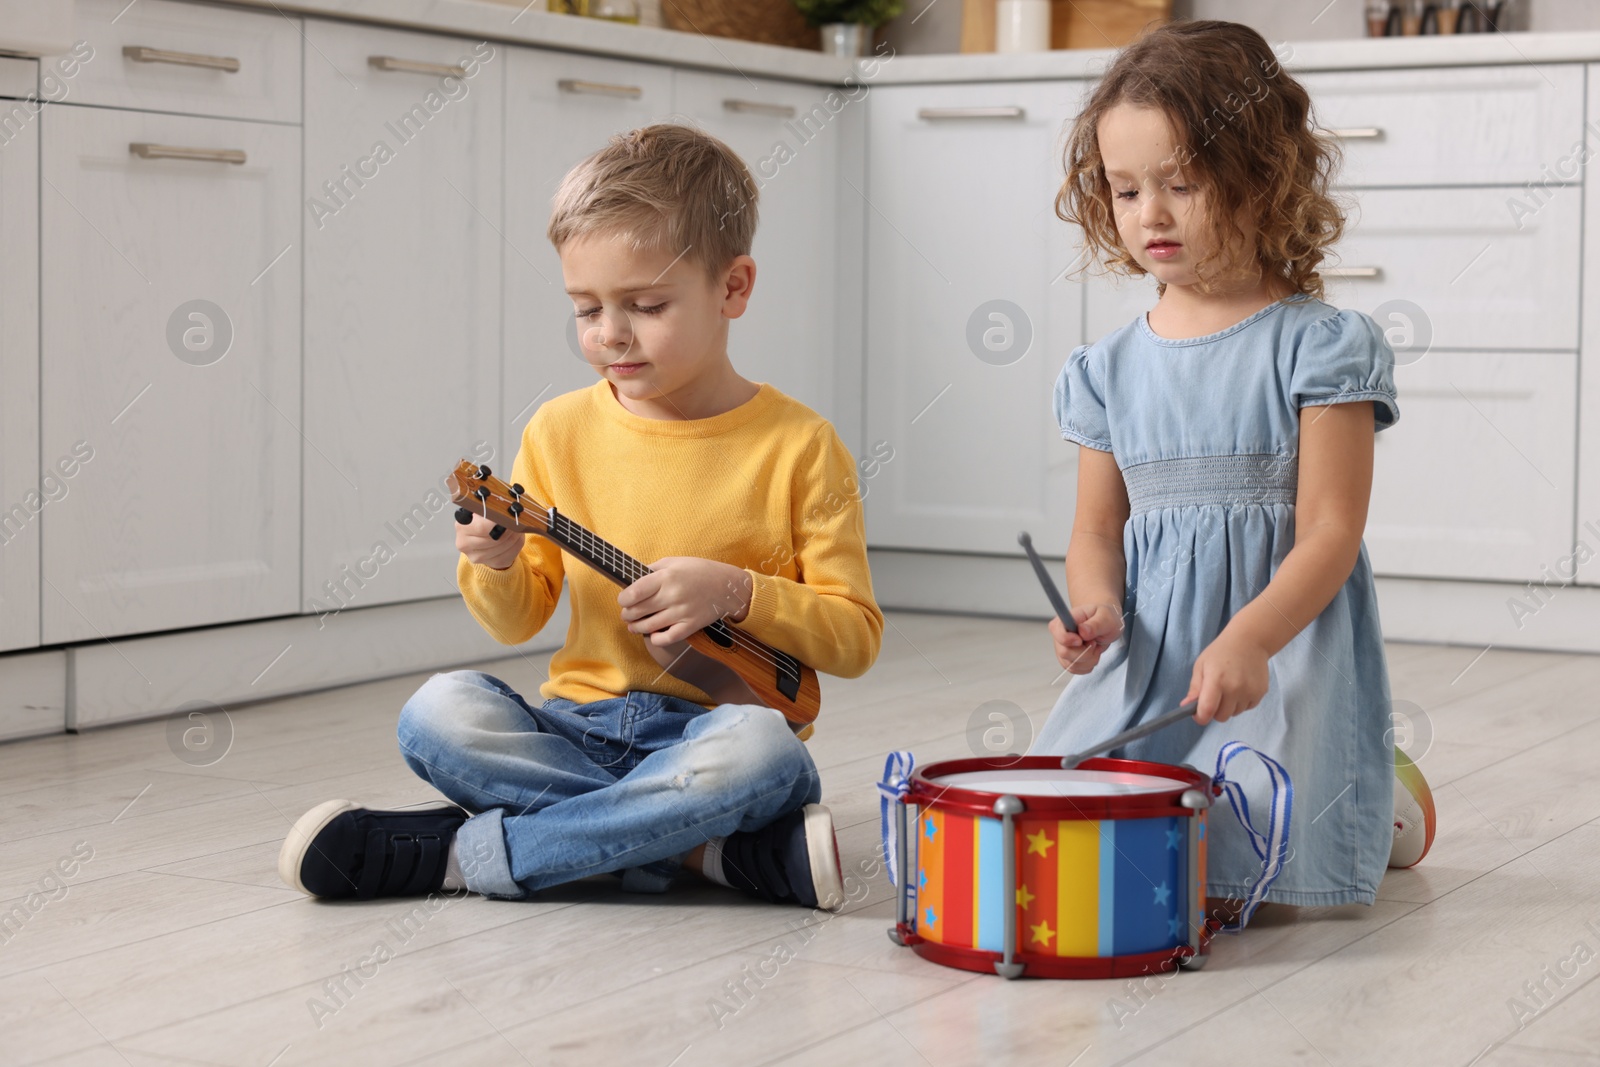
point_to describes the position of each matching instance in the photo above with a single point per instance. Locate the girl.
(1225, 443)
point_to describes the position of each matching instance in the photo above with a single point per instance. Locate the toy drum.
(1016, 866)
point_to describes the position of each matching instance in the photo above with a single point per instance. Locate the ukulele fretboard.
(594, 550)
(623, 569)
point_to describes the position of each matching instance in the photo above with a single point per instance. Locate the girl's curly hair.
(1244, 134)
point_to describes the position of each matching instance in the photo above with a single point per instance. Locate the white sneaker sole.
(823, 849)
(305, 830)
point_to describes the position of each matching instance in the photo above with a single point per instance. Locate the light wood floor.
(175, 943)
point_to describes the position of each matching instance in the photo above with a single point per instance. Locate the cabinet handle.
(1356, 133)
(415, 66)
(971, 113)
(754, 107)
(169, 151)
(574, 85)
(1352, 272)
(140, 54)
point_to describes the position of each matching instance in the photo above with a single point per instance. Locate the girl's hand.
(1230, 676)
(682, 594)
(1098, 626)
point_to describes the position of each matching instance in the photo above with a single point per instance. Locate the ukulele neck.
(594, 550)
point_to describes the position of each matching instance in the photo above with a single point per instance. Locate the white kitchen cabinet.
(402, 303)
(1485, 279)
(962, 186)
(789, 137)
(170, 371)
(1481, 278)
(1476, 479)
(161, 55)
(19, 79)
(33, 693)
(1496, 125)
(21, 500)
(1587, 526)
(559, 109)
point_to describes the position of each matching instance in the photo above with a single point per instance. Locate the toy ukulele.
(776, 678)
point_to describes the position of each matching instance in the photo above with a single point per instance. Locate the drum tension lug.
(1008, 808)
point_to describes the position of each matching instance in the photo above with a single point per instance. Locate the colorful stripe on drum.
(1086, 887)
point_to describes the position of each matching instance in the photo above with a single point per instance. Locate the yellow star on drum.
(1024, 898)
(1042, 934)
(1039, 843)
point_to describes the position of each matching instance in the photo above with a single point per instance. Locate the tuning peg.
(464, 517)
(483, 471)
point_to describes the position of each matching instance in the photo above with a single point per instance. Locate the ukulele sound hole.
(786, 669)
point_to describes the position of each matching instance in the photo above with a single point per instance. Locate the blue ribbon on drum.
(1271, 847)
(892, 791)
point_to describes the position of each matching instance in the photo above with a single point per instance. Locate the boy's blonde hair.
(667, 187)
(1245, 134)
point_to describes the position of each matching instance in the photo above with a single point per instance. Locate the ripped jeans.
(566, 790)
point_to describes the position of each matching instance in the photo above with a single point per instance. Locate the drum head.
(1046, 782)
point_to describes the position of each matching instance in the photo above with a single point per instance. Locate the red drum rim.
(1036, 966)
(925, 792)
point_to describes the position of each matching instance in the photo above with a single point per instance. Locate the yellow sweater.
(767, 486)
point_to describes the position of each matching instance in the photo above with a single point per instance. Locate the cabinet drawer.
(1463, 126)
(196, 60)
(1457, 254)
(1484, 279)
(1476, 480)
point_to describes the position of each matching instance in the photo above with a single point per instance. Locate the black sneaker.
(793, 860)
(340, 849)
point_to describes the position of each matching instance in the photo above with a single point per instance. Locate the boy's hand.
(1098, 626)
(1230, 676)
(682, 594)
(474, 542)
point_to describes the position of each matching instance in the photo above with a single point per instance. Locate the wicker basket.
(764, 21)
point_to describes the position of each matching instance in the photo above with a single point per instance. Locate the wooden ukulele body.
(749, 668)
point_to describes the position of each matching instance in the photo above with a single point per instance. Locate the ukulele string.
(627, 567)
(632, 570)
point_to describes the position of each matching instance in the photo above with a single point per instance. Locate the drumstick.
(1057, 601)
(1144, 729)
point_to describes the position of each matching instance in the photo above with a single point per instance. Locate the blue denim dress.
(1205, 431)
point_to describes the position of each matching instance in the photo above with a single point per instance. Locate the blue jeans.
(567, 790)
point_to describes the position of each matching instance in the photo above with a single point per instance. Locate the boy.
(746, 506)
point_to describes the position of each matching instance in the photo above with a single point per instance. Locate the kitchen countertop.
(533, 25)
